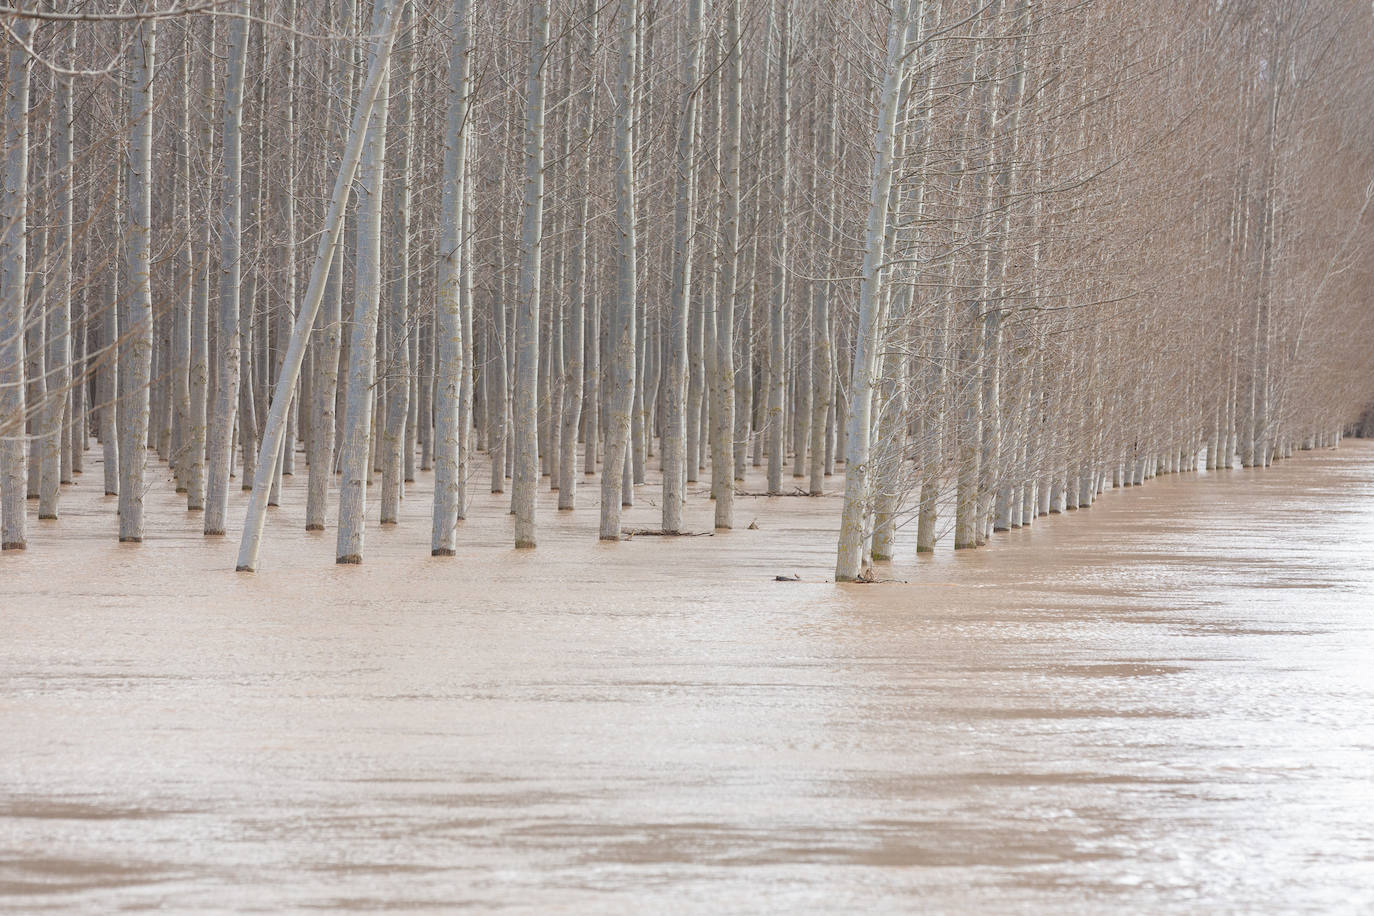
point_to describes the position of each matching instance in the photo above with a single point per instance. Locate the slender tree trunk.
(723, 414)
(777, 315)
(13, 262)
(183, 317)
(621, 401)
(868, 343)
(449, 326)
(362, 350)
(675, 421)
(59, 319)
(136, 373)
(575, 340)
(396, 389)
(371, 108)
(220, 457)
(526, 483)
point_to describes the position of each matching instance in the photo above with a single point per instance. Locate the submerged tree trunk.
(674, 418)
(723, 385)
(526, 396)
(575, 338)
(362, 345)
(220, 456)
(371, 109)
(777, 315)
(59, 363)
(449, 325)
(622, 327)
(394, 396)
(136, 373)
(867, 343)
(13, 278)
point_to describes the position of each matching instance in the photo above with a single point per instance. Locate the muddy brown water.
(1164, 704)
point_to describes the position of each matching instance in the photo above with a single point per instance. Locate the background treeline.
(998, 255)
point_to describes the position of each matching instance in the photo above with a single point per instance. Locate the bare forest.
(965, 263)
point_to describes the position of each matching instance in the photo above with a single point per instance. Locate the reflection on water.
(1163, 704)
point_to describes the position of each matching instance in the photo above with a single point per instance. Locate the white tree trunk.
(868, 343)
(621, 401)
(362, 347)
(723, 385)
(371, 108)
(59, 319)
(13, 257)
(777, 314)
(526, 395)
(394, 394)
(575, 339)
(674, 418)
(449, 325)
(220, 457)
(136, 373)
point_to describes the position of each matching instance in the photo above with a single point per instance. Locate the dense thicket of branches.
(1001, 255)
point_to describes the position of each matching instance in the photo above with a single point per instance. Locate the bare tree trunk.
(362, 349)
(499, 438)
(575, 340)
(622, 367)
(183, 317)
(867, 343)
(777, 316)
(396, 390)
(675, 428)
(59, 319)
(13, 257)
(136, 374)
(723, 386)
(526, 399)
(220, 457)
(449, 326)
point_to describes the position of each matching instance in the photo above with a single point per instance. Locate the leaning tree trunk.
(867, 345)
(362, 344)
(371, 108)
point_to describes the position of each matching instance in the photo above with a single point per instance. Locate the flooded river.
(1164, 704)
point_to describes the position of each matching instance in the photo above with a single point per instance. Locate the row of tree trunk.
(986, 259)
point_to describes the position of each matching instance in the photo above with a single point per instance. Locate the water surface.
(1164, 704)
